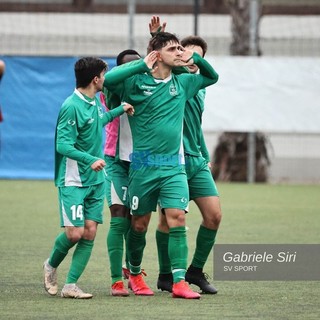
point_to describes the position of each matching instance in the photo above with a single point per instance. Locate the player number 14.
(77, 212)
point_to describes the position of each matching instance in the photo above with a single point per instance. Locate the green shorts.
(150, 185)
(200, 180)
(117, 181)
(78, 204)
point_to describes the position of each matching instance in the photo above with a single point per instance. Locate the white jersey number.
(135, 203)
(77, 212)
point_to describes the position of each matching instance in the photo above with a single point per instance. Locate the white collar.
(163, 80)
(80, 95)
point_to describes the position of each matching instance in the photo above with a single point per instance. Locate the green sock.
(126, 251)
(60, 250)
(116, 234)
(136, 242)
(204, 244)
(162, 239)
(80, 260)
(178, 252)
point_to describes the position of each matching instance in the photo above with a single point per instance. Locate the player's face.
(99, 81)
(171, 54)
(193, 68)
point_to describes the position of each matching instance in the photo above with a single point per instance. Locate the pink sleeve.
(112, 129)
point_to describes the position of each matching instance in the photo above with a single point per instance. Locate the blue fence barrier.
(31, 93)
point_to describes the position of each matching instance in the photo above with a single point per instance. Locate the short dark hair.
(86, 69)
(124, 53)
(195, 41)
(160, 40)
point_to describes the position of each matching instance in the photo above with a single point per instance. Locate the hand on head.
(151, 59)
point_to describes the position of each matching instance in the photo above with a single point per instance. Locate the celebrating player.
(79, 174)
(157, 163)
(202, 189)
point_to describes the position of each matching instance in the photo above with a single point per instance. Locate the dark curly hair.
(160, 40)
(195, 41)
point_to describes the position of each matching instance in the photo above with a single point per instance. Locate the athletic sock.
(60, 250)
(136, 242)
(116, 234)
(125, 238)
(80, 260)
(162, 239)
(204, 244)
(178, 252)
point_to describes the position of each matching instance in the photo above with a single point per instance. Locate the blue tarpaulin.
(31, 93)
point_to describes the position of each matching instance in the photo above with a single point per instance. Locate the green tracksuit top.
(78, 140)
(157, 124)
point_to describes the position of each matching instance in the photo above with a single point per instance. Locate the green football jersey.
(78, 140)
(157, 124)
(193, 140)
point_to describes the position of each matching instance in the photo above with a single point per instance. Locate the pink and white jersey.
(114, 133)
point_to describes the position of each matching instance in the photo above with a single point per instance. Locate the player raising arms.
(157, 163)
(79, 174)
(202, 189)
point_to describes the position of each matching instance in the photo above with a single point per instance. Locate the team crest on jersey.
(173, 90)
(100, 112)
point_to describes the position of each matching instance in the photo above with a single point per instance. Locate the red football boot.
(182, 290)
(138, 286)
(118, 289)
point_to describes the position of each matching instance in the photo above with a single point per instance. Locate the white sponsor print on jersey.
(147, 89)
(147, 92)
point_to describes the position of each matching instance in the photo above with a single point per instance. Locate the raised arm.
(121, 73)
(155, 26)
(210, 76)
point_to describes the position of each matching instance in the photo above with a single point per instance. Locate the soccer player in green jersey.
(117, 170)
(202, 189)
(157, 171)
(79, 174)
